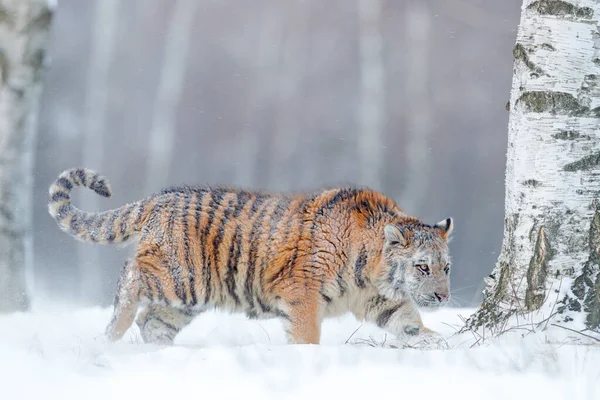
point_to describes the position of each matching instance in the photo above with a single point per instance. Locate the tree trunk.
(372, 93)
(24, 26)
(170, 86)
(548, 267)
(101, 55)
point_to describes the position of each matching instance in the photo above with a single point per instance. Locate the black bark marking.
(555, 103)
(584, 164)
(521, 54)
(537, 272)
(560, 8)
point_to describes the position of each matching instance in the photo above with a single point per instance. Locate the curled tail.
(114, 226)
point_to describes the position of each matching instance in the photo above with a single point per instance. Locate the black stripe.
(319, 214)
(327, 299)
(298, 215)
(264, 307)
(192, 271)
(140, 212)
(376, 301)
(186, 247)
(159, 289)
(81, 175)
(359, 266)
(302, 211)
(145, 253)
(125, 220)
(65, 183)
(94, 181)
(146, 286)
(163, 205)
(215, 201)
(248, 291)
(340, 277)
(197, 215)
(152, 316)
(242, 199)
(232, 264)
(280, 209)
(174, 268)
(109, 223)
(201, 195)
(59, 196)
(385, 315)
(75, 225)
(277, 210)
(393, 272)
(343, 194)
(281, 314)
(63, 211)
(217, 241)
(96, 225)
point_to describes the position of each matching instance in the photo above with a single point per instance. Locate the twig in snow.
(347, 340)
(575, 331)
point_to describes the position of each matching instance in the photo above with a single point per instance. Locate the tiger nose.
(441, 297)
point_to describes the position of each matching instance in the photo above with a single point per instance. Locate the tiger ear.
(446, 226)
(394, 235)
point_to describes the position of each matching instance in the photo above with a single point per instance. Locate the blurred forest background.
(405, 96)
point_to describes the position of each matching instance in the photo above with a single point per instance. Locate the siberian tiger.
(299, 257)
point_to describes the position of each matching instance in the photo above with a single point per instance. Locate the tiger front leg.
(303, 323)
(400, 318)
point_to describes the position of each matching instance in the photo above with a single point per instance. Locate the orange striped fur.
(299, 257)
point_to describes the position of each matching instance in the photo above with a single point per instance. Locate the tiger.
(299, 257)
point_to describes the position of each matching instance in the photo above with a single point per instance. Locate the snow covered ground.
(60, 353)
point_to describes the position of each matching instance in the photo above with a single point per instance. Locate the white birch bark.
(418, 117)
(170, 86)
(24, 26)
(372, 93)
(96, 103)
(551, 250)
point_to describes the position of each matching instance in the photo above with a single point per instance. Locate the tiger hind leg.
(159, 323)
(126, 302)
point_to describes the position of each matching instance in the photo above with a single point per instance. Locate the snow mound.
(60, 353)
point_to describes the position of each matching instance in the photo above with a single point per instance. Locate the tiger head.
(416, 262)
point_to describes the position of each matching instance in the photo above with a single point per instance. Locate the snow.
(59, 352)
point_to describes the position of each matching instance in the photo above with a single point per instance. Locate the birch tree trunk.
(372, 93)
(550, 255)
(102, 50)
(170, 86)
(24, 26)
